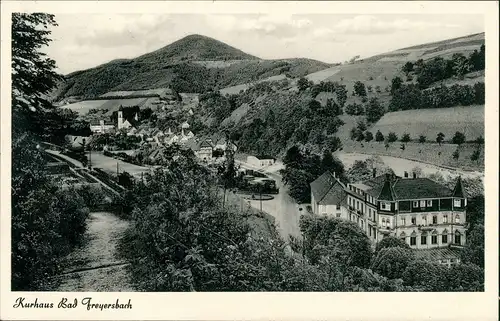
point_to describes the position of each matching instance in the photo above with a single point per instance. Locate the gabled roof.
(391, 188)
(205, 143)
(327, 189)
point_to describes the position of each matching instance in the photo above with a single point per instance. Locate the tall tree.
(33, 73)
(374, 110)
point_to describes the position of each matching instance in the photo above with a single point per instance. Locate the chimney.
(406, 174)
(374, 172)
(414, 175)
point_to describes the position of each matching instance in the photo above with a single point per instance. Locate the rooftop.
(327, 189)
(437, 254)
(391, 188)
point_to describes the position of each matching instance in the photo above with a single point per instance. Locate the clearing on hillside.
(429, 122)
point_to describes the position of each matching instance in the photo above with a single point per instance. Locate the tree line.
(436, 69)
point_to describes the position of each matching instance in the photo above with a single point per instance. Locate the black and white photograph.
(247, 152)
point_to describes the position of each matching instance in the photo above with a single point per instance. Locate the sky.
(86, 40)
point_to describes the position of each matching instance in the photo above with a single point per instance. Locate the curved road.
(283, 208)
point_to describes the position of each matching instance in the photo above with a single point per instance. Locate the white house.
(328, 196)
(260, 161)
(101, 127)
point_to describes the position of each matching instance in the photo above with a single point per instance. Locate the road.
(283, 208)
(94, 266)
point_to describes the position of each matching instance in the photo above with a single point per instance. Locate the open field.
(427, 153)
(236, 89)
(429, 122)
(147, 92)
(111, 105)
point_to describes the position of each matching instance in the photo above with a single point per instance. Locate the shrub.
(379, 137)
(458, 138)
(406, 138)
(392, 137)
(422, 139)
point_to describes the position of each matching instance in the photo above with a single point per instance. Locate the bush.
(458, 138)
(422, 139)
(406, 138)
(368, 136)
(379, 137)
(392, 137)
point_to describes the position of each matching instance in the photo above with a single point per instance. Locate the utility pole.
(90, 156)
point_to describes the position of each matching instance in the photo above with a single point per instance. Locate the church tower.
(120, 118)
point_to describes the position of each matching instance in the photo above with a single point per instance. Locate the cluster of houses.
(426, 215)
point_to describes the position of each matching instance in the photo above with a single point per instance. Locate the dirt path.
(94, 266)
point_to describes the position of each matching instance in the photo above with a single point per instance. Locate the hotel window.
(338, 207)
(338, 214)
(458, 237)
(388, 222)
(434, 239)
(414, 220)
(434, 219)
(424, 220)
(457, 218)
(403, 221)
(456, 202)
(423, 239)
(403, 237)
(422, 203)
(445, 218)
(383, 222)
(415, 204)
(444, 238)
(413, 240)
(429, 203)
(385, 206)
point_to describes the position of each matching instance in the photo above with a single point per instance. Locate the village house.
(101, 127)
(328, 196)
(260, 161)
(424, 214)
(204, 150)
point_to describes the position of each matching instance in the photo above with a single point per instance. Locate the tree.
(422, 139)
(426, 276)
(334, 143)
(456, 154)
(473, 252)
(407, 67)
(368, 136)
(351, 246)
(392, 137)
(475, 155)
(440, 138)
(461, 65)
(391, 241)
(33, 74)
(396, 84)
(406, 138)
(303, 84)
(379, 137)
(458, 138)
(293, 157)
(359, 89)
(374, 110)
(391, 262)
(480, 140)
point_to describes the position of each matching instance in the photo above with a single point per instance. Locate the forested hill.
(192, 64)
